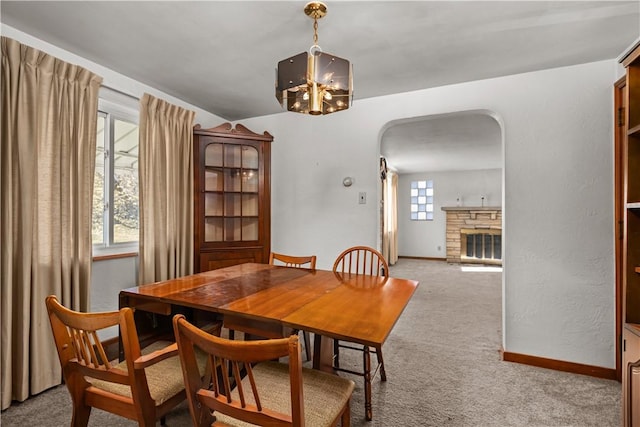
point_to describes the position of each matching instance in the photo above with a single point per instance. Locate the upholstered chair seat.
(325, 396)
(163, 378)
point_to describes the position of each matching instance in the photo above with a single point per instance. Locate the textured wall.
(557, 207)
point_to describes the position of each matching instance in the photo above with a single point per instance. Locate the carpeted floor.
(443, 369)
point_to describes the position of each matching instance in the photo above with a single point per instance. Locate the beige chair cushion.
(164, 378)
(324, 394)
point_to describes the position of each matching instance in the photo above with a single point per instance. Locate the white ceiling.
(221, 55)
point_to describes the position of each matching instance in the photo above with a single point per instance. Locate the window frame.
(112, 111)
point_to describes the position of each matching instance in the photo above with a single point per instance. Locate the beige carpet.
(443, 369)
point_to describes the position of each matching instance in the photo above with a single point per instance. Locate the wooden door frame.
(619, 204)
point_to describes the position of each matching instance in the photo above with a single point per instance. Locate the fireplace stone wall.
(468, 218)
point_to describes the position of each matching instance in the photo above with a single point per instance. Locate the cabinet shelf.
(232, 216)
(232, 168)
(634, 131)
(633, 205)
(253, 193)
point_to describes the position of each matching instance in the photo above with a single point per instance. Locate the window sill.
(115, 256)
(101, 253)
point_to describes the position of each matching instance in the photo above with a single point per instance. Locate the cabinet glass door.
(231, 186)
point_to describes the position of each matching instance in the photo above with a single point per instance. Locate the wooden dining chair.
(297, 262)
(250, 388)
(293, 261)
(144, 387)
(361, 260)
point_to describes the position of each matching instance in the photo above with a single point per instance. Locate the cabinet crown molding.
(227, 129)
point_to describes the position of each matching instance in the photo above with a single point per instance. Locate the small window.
(422, 200)
(115, 216)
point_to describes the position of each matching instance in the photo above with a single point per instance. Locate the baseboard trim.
(560, 365)
(428, 258)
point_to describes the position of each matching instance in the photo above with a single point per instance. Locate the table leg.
(366, 358)
(322, 353)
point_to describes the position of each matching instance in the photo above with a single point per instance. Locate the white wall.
(428, 238)
(108, 278)
(558, 199)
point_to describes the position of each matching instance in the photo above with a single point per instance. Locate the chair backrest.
(80, 351)
(361, 260)
(237, 360)
(84, 360)
(293, 261)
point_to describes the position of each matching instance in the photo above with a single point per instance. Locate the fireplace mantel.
(475, 210)
(461, 220)
(471, 208)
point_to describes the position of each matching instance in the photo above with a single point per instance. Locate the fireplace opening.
(481, 245)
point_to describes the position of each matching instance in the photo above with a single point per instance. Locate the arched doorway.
(460, 158)
(463, 151)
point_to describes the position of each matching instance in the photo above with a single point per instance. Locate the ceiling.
(447, 142)
(221, 55)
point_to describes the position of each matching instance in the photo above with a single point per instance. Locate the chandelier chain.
(315, 31)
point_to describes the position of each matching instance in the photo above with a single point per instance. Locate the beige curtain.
(48, 128)
(385, 219)
(392, 201)
(390, 218)
(166, 190)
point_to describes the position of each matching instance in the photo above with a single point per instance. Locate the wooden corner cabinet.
(232, 168)
(631, 240)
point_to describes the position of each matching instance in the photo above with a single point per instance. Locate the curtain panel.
(390, 217)
(166, 190)
(47, 159)
(393, 218)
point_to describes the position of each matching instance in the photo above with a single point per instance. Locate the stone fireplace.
(474, 234)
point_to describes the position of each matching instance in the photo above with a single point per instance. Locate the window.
(115, 193)
(422, 200)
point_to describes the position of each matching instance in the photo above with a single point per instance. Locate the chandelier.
(314, 82)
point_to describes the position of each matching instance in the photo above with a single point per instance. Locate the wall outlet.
(362, 197)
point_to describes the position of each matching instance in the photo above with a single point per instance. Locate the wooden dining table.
(356, 308)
